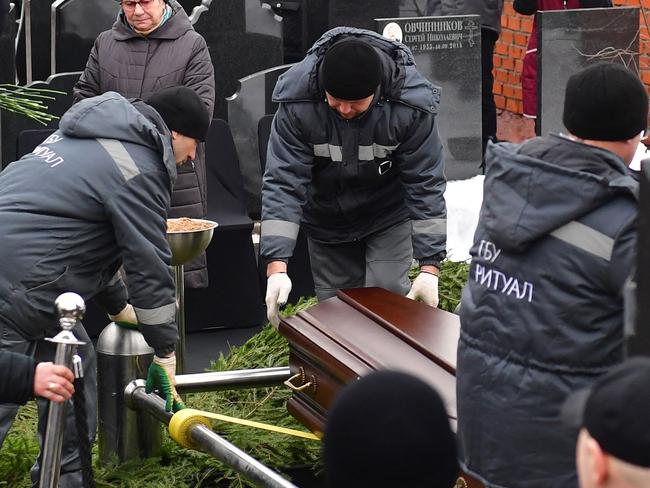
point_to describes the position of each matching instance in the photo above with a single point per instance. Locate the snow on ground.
(463, 199)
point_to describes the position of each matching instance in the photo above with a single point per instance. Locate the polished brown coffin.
(361, 330)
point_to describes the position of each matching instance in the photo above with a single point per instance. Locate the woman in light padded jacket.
(529, 72)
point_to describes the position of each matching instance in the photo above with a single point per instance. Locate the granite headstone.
(7, 48)
(638, 332)
(40, 15)
(245, 109)
(447, 51)
(76, 24)
(243, 38)
(569, 40)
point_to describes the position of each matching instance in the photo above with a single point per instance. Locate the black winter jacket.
(90, 198)
(136, 67)
(345, 179)
(542, 313)
(17, 378)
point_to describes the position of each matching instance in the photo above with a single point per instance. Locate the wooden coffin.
(361, 330)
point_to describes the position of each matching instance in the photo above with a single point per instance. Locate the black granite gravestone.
(11, 125)
(245, 109)
(76, 24)
(243, 38)
(41, 14)
(569, 40)
(7, 48)
(638, 340)
(447, 51)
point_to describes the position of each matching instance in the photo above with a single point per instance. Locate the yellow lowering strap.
(183, 420)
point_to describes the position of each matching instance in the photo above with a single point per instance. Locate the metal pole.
(225, 380)
(180, 317)
(27, 24)
(208, 441)
(70, 308)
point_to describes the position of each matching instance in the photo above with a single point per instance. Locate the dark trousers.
(381, 259)
(488, 106)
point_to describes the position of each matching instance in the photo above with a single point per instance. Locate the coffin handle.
(302, 377)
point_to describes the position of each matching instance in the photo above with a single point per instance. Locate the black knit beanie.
(605, 102)
(351, 69)
(387, 430)
(182, 110)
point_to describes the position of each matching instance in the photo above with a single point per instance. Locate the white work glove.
(278, 287)
(162, 377)
(126, 318)
(425, 289)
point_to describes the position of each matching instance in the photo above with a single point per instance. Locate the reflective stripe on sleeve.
(430, 226)
(121, 157)
(154, 316)
(279, 228)
(584, 237)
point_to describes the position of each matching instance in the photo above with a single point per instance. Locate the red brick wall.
(511, 47)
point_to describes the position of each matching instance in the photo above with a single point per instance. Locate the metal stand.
(179, 280)
(70, 308)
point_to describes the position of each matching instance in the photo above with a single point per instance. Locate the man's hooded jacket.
(542, 313)
(345, 179)
(91, 197)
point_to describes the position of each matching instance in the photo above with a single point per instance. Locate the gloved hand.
(162, 376)
(425, 289)
(126, 318)
(278, 287)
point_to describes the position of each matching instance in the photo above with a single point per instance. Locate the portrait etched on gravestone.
(447, 50)
(569, 40)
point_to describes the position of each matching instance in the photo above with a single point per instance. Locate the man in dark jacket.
(153, 45)
(91, 198)
(354, 157)
(542, 313)
(23, 378)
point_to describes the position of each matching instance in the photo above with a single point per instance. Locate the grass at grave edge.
(182, 468)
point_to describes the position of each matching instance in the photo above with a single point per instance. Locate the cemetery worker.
(91, 198)
(542, 312)
(355, 159)
(529, 71)
(490, 12)
(389, 429)
(23, 378)
(613, 449)
(153, 45)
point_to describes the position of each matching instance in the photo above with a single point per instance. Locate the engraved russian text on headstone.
(245, 108)
(569, 40)
(243, 38)
(76, 24)
(447, 51)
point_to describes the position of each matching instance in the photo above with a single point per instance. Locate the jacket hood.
(177, 25)
(534, 188)
(401, 80)
(111, 116)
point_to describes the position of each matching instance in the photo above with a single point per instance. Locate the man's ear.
(174, 134)
(599, 462)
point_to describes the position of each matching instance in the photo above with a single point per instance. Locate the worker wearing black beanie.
(605, 102)
(388, 430)
(182, 110)
(351, 70)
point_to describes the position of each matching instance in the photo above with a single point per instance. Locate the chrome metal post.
(180, 317)
(27, 24)
(207, 440)
(228, 380)
(70, 308)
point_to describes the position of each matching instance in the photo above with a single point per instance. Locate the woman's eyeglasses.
(130, 4)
